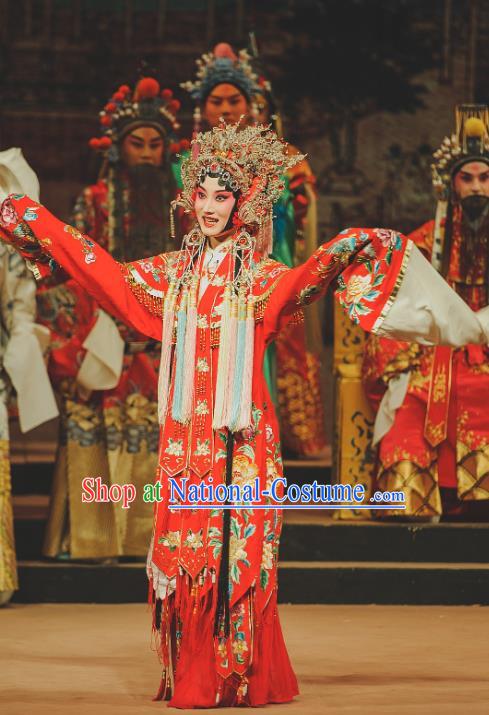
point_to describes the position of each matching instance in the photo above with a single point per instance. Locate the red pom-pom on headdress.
(224, 49)
(105, 143)
(184, 145)
(146, 88)
(100, 144)
(125, 108)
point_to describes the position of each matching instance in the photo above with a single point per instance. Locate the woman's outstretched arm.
(384, 284)
(45, 242)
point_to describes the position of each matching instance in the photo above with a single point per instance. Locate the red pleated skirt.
(202, 671)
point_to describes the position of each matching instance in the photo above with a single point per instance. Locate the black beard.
(474, 231)
(148, 208)
(474, 210)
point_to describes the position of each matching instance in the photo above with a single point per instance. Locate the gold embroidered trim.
(390, 300)
(151, 302)
(145, 294)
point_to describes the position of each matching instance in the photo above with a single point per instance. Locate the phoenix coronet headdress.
(251, 160)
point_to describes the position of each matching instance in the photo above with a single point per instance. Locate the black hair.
(224, 179)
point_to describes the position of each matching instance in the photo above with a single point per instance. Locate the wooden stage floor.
(356, 660)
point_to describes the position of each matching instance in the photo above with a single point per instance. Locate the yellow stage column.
(353, 457)
(8, 568)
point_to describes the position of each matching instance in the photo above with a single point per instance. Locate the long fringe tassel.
(163, 625)
(189, 357)
(177, 405)
(264, 241)
(233, 335)
(165, 358)
(222, 363)
(237, 386)
(244, 419)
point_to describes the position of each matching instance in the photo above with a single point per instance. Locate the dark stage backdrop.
(367, 86)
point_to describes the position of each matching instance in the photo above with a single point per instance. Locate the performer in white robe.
(22, 368)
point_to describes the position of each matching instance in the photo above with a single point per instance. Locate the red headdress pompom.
(146, 88)
(223, 49)
(105, 143)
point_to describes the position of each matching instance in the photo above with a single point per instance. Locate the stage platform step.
(305, 539)
(315, 536)
(33, 474)
(322, 560)
(299, 582)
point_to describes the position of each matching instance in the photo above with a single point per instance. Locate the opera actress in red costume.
(215, 305)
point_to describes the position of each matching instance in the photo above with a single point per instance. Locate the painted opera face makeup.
(143, 145)
(472, 179)
(213, 207)
(226, 101)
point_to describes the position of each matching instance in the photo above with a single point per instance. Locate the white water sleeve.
(427, 311)
(390, 403)
(101, 367)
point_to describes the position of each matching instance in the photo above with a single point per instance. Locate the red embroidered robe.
(251, 666)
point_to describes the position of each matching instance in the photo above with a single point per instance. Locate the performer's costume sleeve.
(23, 356)
(85, 342)
(388, 364)
(46, 242)
(384, 284)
